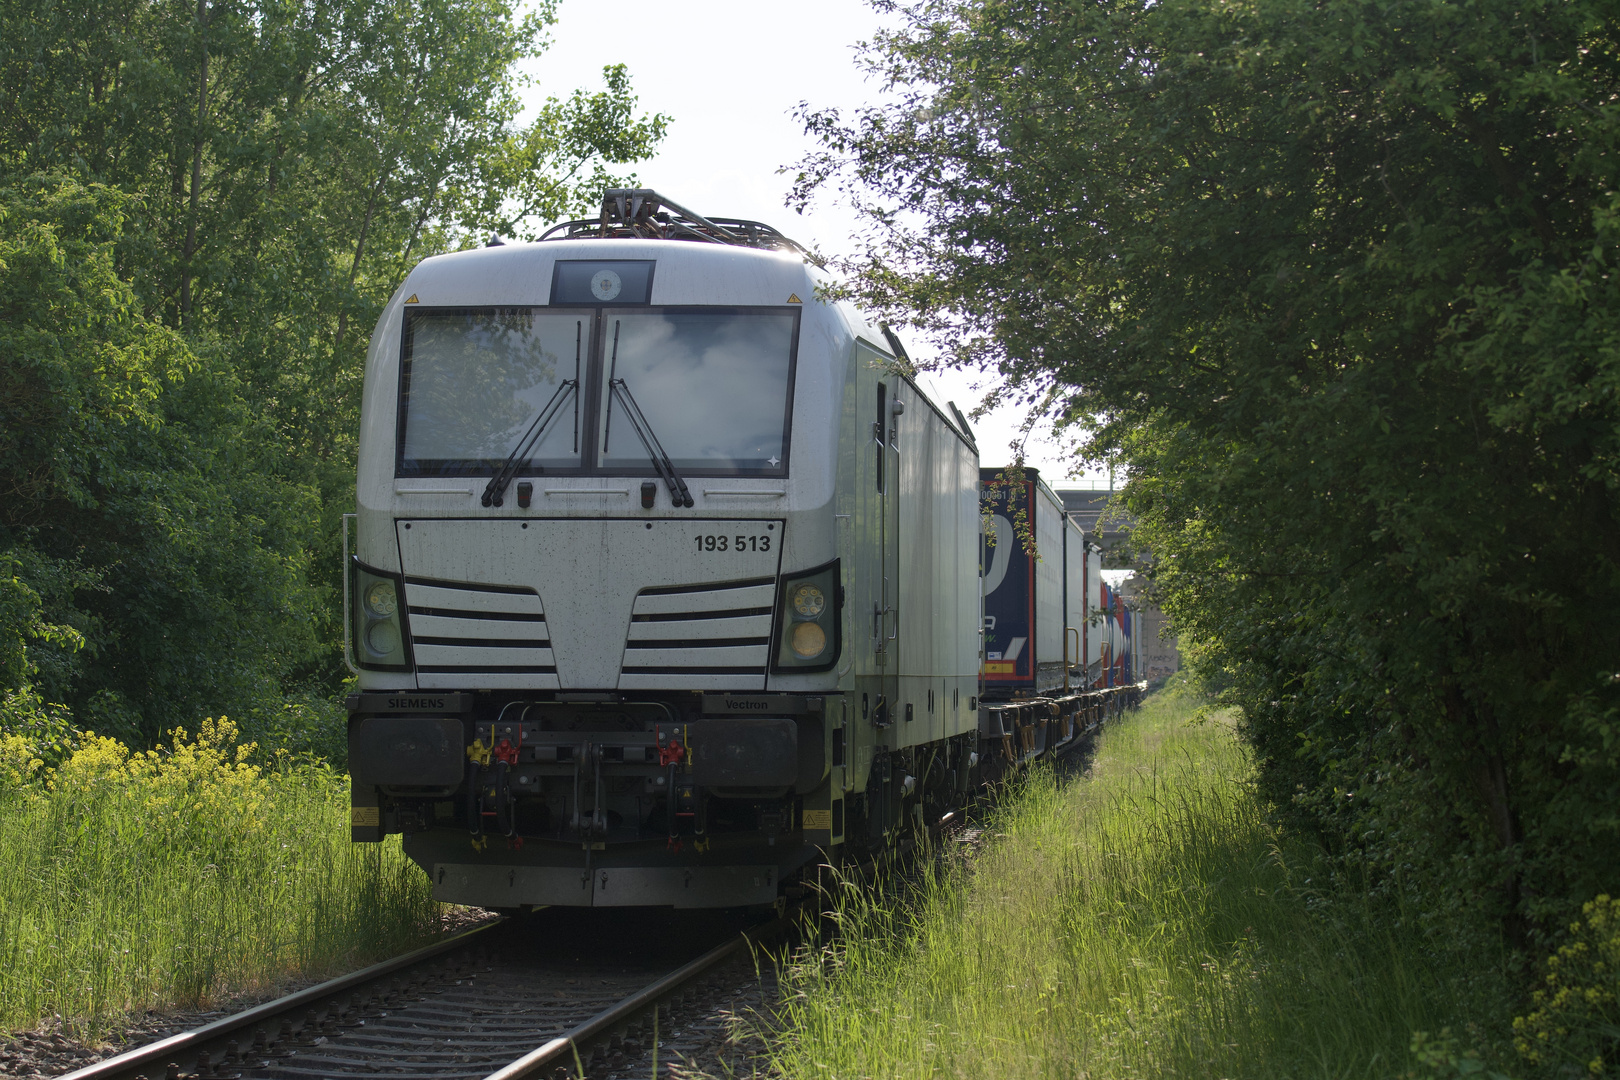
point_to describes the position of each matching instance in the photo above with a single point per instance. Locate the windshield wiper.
(662, 465)
(495, 490)
(679, 495)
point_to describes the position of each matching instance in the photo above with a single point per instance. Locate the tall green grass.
(1146, 921)
(179, 876)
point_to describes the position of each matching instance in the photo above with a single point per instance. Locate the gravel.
(715, 1032)
(52, 1050)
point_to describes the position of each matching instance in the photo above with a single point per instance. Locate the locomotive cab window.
(473, 382)
(597, 390)
(714, 388)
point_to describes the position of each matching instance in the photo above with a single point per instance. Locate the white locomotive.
(666, 579)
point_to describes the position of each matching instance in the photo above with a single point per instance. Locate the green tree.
(274, 168)
(141, 525)
(1334, 282)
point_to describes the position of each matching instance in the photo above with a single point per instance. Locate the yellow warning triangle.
(793, 298)
(411, 299)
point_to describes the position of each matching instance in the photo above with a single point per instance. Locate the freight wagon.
(1051, 641)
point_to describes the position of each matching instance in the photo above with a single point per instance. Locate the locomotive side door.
(886, 621)
(874, 608)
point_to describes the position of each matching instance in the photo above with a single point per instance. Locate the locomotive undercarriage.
(589, 799)
(520, 801)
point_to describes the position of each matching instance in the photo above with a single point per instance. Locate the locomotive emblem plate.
(605, 285)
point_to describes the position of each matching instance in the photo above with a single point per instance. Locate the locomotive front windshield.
(475, 382)
(712, 386)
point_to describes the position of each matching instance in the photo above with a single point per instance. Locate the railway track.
(508, 1001)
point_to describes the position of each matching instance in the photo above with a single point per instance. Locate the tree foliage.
(1335, 282)
(157, 562)
(205, 206)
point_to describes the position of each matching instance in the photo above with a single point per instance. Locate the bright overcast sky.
(730, 74)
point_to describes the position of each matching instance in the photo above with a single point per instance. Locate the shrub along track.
(518, 998)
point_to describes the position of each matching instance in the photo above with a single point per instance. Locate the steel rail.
(566, 1048)
(562, 1050)
(183, 1043)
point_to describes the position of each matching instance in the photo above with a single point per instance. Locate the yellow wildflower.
(1580, 996)
(18, 763)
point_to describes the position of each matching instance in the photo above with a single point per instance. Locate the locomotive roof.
(520, 274)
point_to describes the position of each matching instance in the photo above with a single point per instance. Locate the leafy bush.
(1574, 1026)
(1337, 284)
(1439, 1057)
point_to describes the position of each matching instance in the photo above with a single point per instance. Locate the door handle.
(877, 624)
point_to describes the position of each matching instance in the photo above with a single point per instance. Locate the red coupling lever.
(505, 751)
(671, 753)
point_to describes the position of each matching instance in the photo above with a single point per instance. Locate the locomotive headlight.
(381, 600)
(378, 628)
(382, 638)
(809, 602)
(808, 620)
(808, 641)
